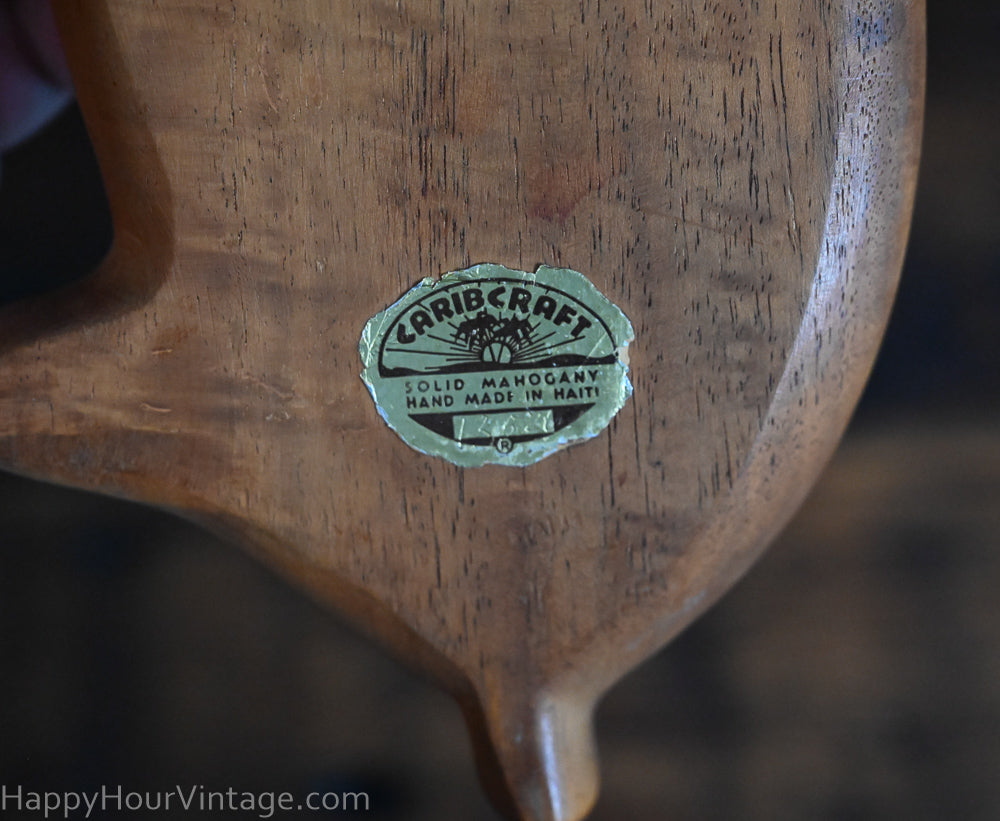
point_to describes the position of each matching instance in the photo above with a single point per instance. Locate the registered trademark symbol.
(504, 445)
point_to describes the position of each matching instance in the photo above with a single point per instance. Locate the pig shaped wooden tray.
(513, 330)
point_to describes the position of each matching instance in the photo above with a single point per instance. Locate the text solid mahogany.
(736, 176)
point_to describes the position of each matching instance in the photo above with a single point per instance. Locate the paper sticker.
(495, 366)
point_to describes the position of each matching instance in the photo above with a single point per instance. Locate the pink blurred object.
(35, 83)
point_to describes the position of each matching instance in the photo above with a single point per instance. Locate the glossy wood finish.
(737, 177)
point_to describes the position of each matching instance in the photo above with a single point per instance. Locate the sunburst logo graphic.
(492, 339)
(497, 340)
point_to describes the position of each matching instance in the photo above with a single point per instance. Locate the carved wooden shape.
(737, 176)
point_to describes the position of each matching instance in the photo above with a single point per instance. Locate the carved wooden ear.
(66, 389)
(731, 186)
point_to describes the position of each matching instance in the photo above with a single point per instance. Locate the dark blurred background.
(854, 674)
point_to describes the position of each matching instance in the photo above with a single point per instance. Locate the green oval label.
(495, 366)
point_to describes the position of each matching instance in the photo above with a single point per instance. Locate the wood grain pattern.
(736, 176)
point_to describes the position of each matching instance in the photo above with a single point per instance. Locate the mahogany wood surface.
(737, 176)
